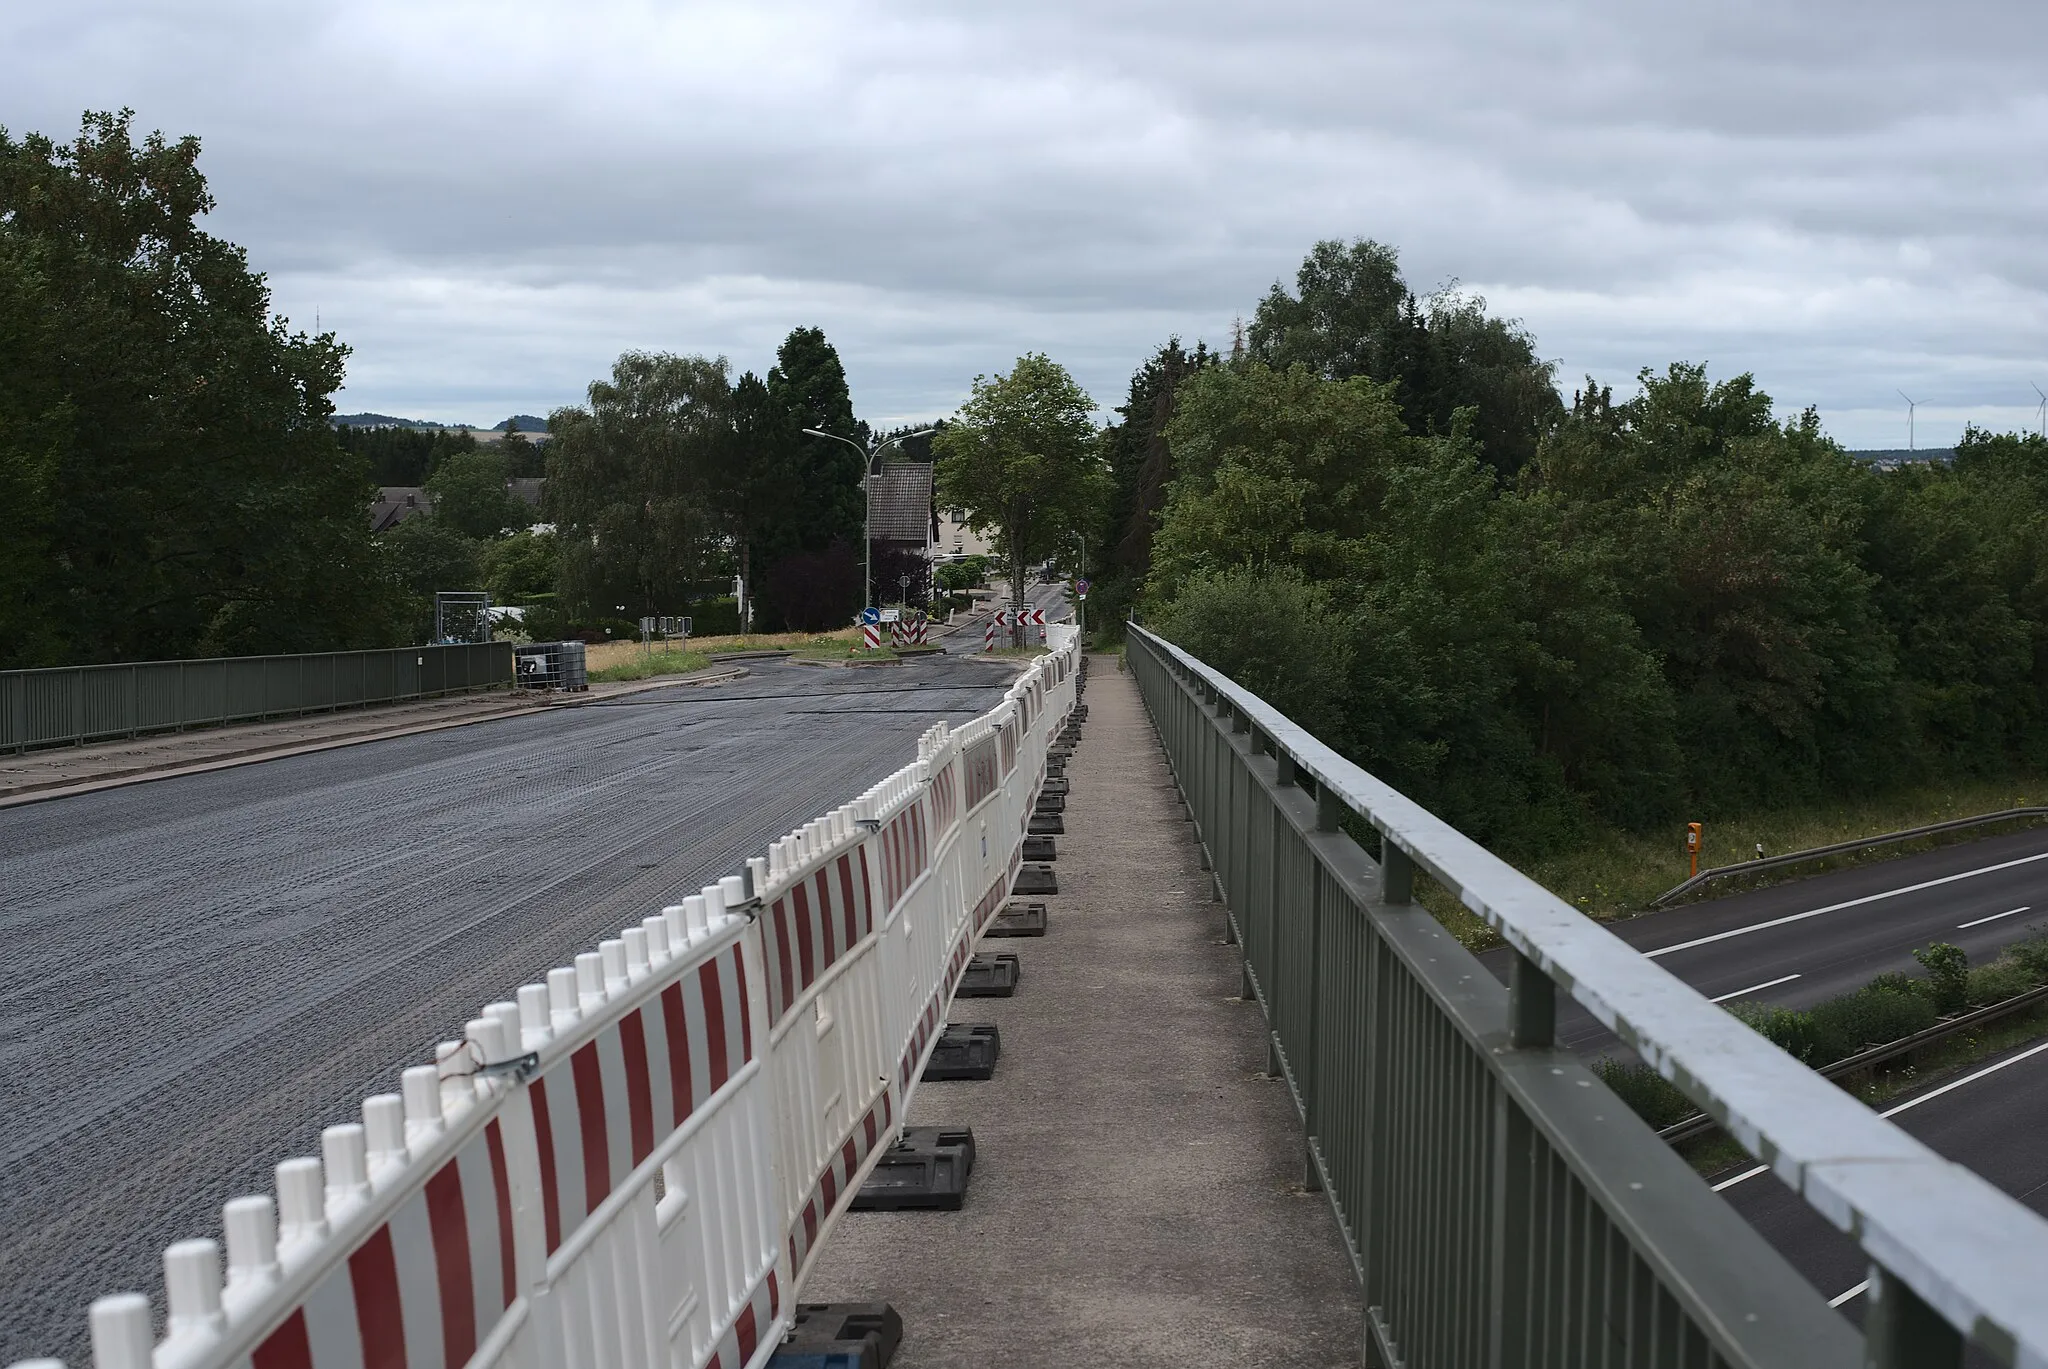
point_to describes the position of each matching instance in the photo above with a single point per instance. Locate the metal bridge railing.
(70, 704)
(1501, 1206)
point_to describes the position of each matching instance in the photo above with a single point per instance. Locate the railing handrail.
(1972, 1252)
(231, 660)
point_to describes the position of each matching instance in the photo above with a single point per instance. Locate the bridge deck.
(1136, 1198)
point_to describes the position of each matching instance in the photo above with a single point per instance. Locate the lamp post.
(867, 538)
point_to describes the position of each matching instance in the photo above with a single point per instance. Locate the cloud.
(490, 201)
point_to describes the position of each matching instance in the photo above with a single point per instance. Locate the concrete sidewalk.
(1136, 1197)
(57, 771)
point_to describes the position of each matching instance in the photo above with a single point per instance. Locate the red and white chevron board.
(871, 635)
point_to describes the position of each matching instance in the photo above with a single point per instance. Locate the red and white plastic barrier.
(635, 1162)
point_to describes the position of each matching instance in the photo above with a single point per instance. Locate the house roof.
(900, 503)
(396, 503)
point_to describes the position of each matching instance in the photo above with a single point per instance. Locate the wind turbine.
(1911, 405)
(2041, 411)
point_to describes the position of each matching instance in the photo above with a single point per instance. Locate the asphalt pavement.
(1810, 939)
(202, 972)
(1800, 942)
(1991, 1118)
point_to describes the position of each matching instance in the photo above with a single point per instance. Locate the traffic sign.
(890, 615)
(1081, 588)
(871, 615)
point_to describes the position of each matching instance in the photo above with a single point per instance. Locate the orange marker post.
(1692, 846)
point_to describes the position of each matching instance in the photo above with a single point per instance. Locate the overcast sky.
(490, 201)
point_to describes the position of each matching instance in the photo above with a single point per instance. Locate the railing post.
(1532, 1025)
(1900, 1331)
(1532, 1006)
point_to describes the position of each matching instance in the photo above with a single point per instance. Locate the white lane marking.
(1746, 1174)
(1837, 907)
(1847, 1293)
(1966, 1079)
(1965, 926)
(1949, 1087)
(1767, 984)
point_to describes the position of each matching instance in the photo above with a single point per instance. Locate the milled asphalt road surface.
(1136, 1198)
(202, 972)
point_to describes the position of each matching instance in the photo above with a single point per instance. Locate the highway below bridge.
(1806, 940)
(202, 972)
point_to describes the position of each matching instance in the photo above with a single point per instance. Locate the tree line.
(1536, 617)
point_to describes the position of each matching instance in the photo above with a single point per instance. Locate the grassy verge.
(1618, 873)
(639, 667)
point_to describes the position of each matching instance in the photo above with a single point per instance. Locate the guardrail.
(1699, 1124)
(1749, 867)
(634, 1163)
(1501, 1206)
(71, 704)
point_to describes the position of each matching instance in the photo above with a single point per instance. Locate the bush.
(1648, 1094)
(1869, 1017)
(1948, 976)
(1787, 1029)
(2033, 955)
(1897, 981)
(1274, 633)
(2001, 979)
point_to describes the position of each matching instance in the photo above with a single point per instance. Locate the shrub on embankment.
(1890, 1008)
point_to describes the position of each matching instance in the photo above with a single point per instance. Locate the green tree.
(1141, 467)
(1021, 461)
(421, 557)
(1354, 315)
(634, 479)
(523, 567)
(470, 495)
(172, 483)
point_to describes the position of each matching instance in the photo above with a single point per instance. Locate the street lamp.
(903, 586)
(867, 539)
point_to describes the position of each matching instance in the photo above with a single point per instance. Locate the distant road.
(1800, 942)
(1990, 1118)
(200, 973)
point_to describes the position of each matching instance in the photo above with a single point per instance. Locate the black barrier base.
(966, 1050)
(1040, 848)
(1056, 788)
(1046, 825)
(928, 1168)
(1036, 879)
(840, 1335)
(1050, 803)
(990, 974)
(1019, 919)
(1055, 769)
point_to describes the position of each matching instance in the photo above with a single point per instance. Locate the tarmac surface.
(1806, 940)
(1991, 1118)
(1136, 1197)
(202, 972)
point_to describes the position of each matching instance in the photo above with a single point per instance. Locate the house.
(900, 507)
(396, 503)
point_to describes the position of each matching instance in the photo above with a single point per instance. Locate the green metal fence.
(90, 703)
(1500, 1205)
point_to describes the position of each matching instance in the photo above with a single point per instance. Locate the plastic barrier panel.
(634, 1163)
